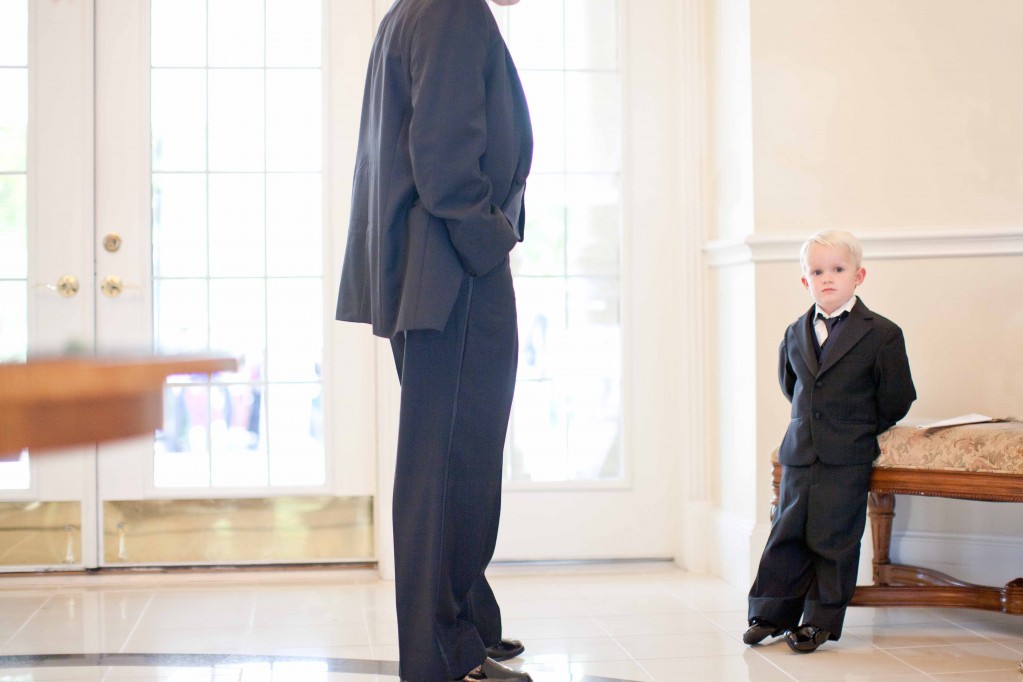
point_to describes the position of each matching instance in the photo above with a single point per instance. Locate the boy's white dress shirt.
(820, 328)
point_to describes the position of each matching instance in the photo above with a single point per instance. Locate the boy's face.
(831, 277)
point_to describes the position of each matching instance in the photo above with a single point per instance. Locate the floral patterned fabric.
(990, 448)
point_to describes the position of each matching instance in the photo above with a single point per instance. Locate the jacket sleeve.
(786, 375)
(450, 47)
(895, 390)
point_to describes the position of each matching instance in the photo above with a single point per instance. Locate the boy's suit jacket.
(445, 146)
(839, 407)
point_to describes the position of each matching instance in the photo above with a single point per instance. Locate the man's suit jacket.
(860, 388)
(444, 149)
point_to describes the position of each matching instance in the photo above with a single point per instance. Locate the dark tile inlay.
(333, 665)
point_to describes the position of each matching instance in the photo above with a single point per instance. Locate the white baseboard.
(735, 546)
(982, 559)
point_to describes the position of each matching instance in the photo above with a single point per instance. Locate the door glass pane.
(591, 35)
(14, 475)
(238, 456)
(183, 446)
(566, 419)
(539, 41)
(13, 316)
(295, 343)
(242, 328)
(13, 33)
(182, 315)
(293, 224)
(296, 434)
(178, 104)
(293, 140)
(538, 434)
(235, 119)
(236, 32)
(237, 239)
(293, 33)
(13, 119)
(592, 372)
(179, 225)
(592, 140)
(181, 40)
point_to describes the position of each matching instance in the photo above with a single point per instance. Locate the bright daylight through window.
(237, 238)
(566, 420)
(13, 203)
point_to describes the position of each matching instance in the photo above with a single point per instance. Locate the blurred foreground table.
(63, 402)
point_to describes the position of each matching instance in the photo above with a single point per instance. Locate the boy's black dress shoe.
(759, 630)
(806, 638)
(492, 670)
(505, 649)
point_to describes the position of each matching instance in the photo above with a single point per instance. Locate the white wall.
(897, 120)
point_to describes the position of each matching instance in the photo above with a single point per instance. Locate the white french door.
(585, 476)
(47, 295)
(176, 172)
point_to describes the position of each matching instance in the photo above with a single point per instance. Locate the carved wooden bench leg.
(1012, 597)
(881, 509)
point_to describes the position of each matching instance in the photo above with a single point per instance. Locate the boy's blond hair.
(834, 238)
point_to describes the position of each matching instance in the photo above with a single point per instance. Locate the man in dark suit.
(444, 149)
(844, 369)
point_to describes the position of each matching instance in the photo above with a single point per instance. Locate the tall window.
(13, 185)
(237, 237)
(13, 201)
(566, 420)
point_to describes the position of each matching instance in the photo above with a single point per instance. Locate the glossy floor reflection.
(594, 623)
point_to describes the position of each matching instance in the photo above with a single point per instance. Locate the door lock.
(112, 242)
(67, 286)
(112, 286)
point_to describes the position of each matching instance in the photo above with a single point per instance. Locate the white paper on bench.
(959, 421)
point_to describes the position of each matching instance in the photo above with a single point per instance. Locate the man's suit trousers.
(810, 563)
(456, 392)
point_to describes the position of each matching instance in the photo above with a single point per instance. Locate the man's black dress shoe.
(806, 638)
(759, 630)
(492, 670)
(505, 649)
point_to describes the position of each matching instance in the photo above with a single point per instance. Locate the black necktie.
(830, 323)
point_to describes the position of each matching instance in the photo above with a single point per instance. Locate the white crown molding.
(894, 245)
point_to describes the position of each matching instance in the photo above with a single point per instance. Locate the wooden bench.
(970, 462)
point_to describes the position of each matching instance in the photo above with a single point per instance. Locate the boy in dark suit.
(845, 371)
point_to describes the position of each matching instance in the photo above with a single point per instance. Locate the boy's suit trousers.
(813, 554)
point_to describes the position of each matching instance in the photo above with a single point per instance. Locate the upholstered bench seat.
(973, 462)
(994, 448)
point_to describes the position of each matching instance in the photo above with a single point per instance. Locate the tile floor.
(592, 623)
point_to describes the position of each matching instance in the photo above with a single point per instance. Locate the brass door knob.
(67, 286)
(112, 286)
